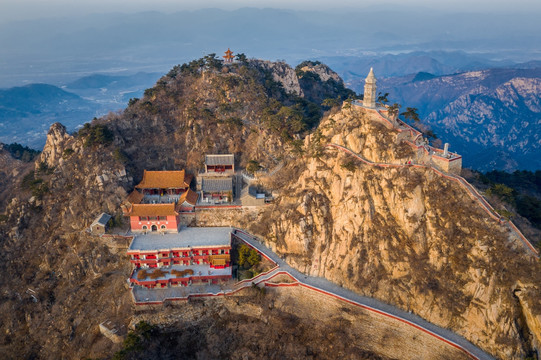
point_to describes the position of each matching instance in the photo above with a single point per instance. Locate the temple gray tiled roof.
(224, 159)
(102, 219)
(187, 237)
(214, 185)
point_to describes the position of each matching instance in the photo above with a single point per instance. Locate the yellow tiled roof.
(153, 210)
(189, 196)
(164, 180)
(135, 197)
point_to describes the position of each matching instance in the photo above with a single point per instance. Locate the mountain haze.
(27, 112)
(59, 50)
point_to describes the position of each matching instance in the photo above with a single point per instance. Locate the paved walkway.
(325, 286)
(472, 192)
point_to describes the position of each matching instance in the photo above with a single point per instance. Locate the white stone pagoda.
(369, 100)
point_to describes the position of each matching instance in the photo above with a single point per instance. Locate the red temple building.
(194, 255)
(163, 183)
(228, 57)
(163, 196)
(220, 164)
(154, 217)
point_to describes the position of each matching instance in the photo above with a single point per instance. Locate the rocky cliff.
(59, 282)
(403, 235)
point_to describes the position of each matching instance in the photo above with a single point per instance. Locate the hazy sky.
(24, 9)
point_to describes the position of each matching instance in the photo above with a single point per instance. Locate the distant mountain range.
(353, 69)
(27, 112)
(492, 117)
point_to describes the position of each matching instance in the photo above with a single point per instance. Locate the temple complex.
(163, 253)
(215, 184)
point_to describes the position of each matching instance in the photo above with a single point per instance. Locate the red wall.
(171, 224)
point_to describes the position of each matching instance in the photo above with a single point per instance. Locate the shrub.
(120, 156)
(253, 166)
(234, 122)
(248, 257)
(502, 191)
(142, 275)
(182, 273)
(133, 343)
(157, 273)
(349, 165)
(96, 135)
(38, 187)
(67, 153)
(23, 153)
(530, 208)
(116, 221)
(506, 214)
(330, 102)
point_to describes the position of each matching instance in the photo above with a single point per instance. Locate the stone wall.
(451, 166)
(237, 217)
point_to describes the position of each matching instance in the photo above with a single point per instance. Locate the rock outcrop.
(323, 71)
(404, 235)
(57, 137)
(282, 73)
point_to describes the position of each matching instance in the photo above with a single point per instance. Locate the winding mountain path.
(472, 192)
(326, 287)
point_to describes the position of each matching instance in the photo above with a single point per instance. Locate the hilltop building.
(425, 154)
(193, 256)
(220, 164)
(215, 184)
(164, 183)
(158, 200)
(369, 99)
(163, 254)
(228, 57)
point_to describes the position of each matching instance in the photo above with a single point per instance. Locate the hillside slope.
(404, 235)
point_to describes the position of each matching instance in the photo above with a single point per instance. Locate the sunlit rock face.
(404, 235)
